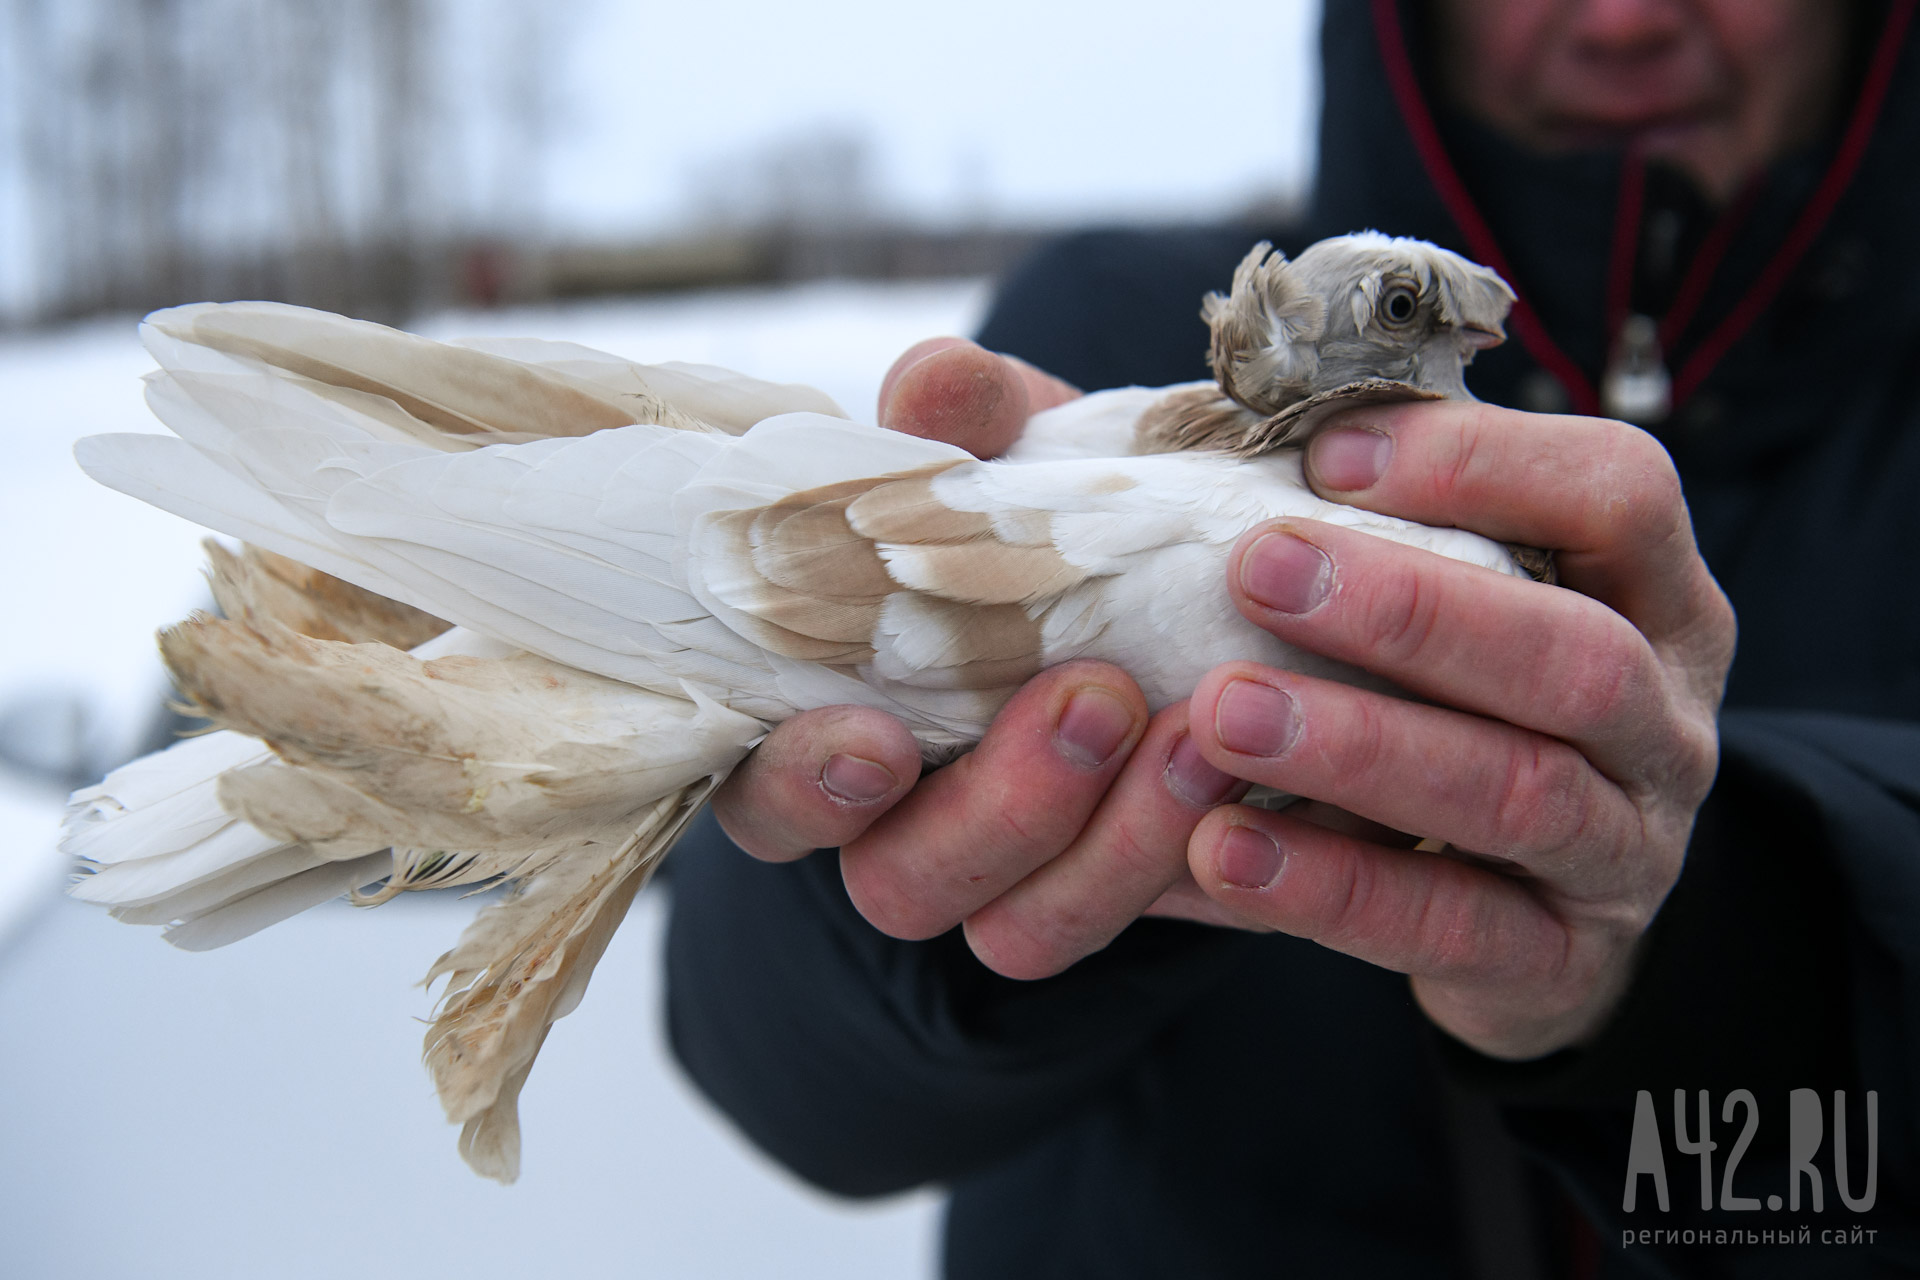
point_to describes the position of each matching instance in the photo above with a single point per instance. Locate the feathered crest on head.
(1285, 358)
(1463, 293)
(1264, 331)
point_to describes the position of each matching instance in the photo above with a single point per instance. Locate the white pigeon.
(644, 569)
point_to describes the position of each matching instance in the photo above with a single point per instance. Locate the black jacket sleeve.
(1787, 957)
(870, 1065)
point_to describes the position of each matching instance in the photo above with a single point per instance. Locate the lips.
(1649, 129)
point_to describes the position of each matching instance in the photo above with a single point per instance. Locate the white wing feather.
(731, 401)
(521, 542)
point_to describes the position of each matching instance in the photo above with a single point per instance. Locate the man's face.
(1717, 87)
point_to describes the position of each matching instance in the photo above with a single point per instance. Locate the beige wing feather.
(884, 572)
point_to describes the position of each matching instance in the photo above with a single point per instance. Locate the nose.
(1628, 28)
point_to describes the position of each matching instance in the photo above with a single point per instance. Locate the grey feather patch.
(1537, 561)
(1199, 419)
(1264, 332)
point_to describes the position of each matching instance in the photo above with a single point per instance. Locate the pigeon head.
(1362, 308)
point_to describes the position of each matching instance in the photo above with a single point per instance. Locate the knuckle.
(1128, 858)
(1685, 770)
(1707, 644)
(1007, 942)
(1545, 804)
(1641, 488)
(1463, 461)
(756, 823)
(1452, 928)
(878, 892)
(1724, 626)
(1720, 616)
(1349, 903)
(1604, 678)
(1699, 756)
(920, 876)
(1360, 750)
(748, 834)
(1018, 826)
(1008, 830)
(1398, 611)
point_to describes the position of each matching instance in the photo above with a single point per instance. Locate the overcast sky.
(1057, 110)
(1048, 112)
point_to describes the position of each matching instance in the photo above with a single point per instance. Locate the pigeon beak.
(1480, 339)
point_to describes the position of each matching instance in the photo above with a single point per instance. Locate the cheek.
(1505, 42)
(1776, 44)
(1756, 33)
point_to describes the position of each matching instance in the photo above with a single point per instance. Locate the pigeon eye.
(1398, 304)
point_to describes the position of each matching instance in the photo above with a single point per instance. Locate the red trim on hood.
(1627, 212)
(1839, 175)
(1526, 324)
(1706, 261)
(1524, 321)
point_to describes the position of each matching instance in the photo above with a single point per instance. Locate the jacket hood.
(1827, 310)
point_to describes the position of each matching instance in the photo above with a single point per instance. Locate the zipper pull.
(1637, 387)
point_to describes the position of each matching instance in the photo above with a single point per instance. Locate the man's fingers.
(1602, 495)
(1044, 391)
(1466, 934)
(972, 830)
(1186, 900)
(1552, 661)
(818, 781)
(1125, 859)
(1477, 784)
(953, 390)
(1406, 911)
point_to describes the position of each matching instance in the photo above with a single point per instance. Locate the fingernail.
(1286, 573)
(1254, 719)
(1092, 727)
(1192, 779)
(1248, 859)
(1349, 458)
(856, 780)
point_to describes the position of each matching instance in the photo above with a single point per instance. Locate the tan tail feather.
(469, 767)
(256, 586)
(490, 1141)
(450, 389)
(511, 979)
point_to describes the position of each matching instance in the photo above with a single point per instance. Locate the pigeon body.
(514, 609)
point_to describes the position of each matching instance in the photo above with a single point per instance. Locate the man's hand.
(1067, 822)
(1571, 740)
(1574, 745)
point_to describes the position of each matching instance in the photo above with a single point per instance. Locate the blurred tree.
(329, 152)
(814, 178)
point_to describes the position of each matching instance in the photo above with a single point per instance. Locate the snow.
(30, 872)
(91, 573)
(261, 1110)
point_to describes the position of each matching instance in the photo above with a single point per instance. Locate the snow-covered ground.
(261, 1111)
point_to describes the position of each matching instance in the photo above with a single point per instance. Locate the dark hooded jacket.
(1195, 1102)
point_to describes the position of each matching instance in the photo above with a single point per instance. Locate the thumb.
(956, 391)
